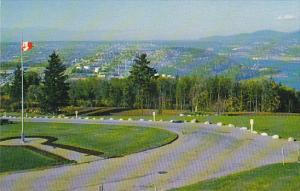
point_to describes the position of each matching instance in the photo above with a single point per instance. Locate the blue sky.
(149, 20)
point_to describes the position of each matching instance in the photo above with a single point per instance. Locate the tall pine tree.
(141, 75)
(55, 86)
(16, 88)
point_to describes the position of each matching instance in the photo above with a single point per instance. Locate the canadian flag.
(26, 46)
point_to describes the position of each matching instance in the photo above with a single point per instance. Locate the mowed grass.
(111, 140)
(21, 158)
(274, 177)
(283, 125)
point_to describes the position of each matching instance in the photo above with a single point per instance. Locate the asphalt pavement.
(201, 152)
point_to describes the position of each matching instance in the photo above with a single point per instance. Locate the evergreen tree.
(32, 78)
(16, 88)
(55, 86)
(141, 76)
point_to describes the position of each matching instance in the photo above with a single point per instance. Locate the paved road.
(201, 152)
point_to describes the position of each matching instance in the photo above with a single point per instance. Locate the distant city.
(261, 54)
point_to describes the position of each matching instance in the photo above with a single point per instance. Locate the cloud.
(286, 17)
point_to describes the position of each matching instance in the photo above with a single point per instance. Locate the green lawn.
(21, 158)
(274, 177)
(111, 140)
(283, 125)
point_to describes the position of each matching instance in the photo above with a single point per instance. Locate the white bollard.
(231, 125)
(291, 139)
(282, 153)
(243, 128)
(153, 113)
(264, 134)
(275, 137)
(219, 124)
(251, 124)
(193, 120)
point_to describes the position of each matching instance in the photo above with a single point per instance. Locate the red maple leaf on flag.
(26, 46)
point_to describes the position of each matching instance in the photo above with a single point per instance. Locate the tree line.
(144, 88)
(47, 95)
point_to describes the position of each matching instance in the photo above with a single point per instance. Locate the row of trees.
(49, 94)
(144, 89)
(219, 94)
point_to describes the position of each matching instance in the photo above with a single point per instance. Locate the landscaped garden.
(111, 140)
(104, 140)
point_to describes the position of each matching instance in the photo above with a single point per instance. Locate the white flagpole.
(22, 133)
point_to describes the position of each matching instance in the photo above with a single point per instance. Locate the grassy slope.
(272, 177)
(285, 126)
(112, 140)
(21, 158)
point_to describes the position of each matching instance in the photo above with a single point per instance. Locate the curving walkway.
(65, 153)
(201, 152)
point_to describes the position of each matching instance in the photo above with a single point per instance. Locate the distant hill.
(53, 34)
(264, 53)
(264, 35)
